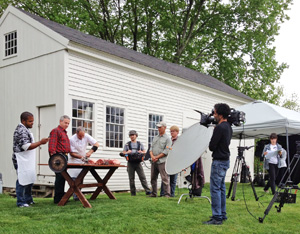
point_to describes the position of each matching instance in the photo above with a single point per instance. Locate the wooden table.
(77, 184)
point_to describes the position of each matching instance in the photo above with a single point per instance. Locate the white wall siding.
(25, 87)
(31, 41)
(139, 93)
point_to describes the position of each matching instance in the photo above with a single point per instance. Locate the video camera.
(236, 118)
(134, 157)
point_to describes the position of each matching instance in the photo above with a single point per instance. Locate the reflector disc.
(188, 148)
(57, 163)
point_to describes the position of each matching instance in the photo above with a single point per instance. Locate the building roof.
(137, 57)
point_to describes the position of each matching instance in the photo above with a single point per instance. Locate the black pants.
(280, 174)
(59, 187)
(273, 171)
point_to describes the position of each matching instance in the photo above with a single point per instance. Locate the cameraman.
(219, 145)
(134, 147)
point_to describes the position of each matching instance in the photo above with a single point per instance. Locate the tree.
(292, 103)
(229, 40)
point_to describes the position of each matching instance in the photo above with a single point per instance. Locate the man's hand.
(88, 154)
(154, 159)
(44, 141)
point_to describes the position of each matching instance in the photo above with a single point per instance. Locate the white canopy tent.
(263, 118)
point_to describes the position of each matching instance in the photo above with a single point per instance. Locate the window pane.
(11, 43)
(113, 111)
(82, 117)
(153, 120)
(107, 110)
(113, 119)
(115, 125)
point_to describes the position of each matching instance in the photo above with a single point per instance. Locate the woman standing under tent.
(273, 153)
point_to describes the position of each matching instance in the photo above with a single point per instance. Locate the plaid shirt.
(59, 141)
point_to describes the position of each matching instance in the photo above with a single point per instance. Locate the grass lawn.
(143, 214)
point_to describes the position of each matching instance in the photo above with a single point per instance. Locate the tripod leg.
(230, 186)
(234, 187)
(269, 207)
(252, 185)
(233, 176)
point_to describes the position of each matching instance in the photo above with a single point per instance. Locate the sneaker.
(24, 205)
(152, 195)
(213, 222)
(148, 193)
(32, 203)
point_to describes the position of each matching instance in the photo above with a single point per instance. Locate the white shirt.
(273, 159)
(79, 146)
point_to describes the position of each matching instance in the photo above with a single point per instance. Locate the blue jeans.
(218, 189)
(23, 194)
(173, 179)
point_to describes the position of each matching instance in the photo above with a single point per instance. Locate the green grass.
(142, 214)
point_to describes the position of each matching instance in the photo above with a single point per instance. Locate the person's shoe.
(223, 219)
(75, 198)
(32, 203)
(167, 196)
(148, 193)
(152, 195)
(213, 222)
(133, 194)
(24, 205)
(266, 191)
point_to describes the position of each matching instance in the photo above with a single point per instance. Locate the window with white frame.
(114, 127)
(152, 129)
(10, 43)
(82, 116)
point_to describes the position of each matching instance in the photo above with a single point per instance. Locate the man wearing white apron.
(78, 143)
(24, 159)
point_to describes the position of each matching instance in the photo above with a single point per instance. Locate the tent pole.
(288, 152)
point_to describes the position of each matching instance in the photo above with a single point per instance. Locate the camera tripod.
(240, 163)
(286, 186)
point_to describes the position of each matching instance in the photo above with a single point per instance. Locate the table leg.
(103, 183)
(74, 188)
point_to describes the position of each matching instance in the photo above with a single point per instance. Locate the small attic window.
(10, 43)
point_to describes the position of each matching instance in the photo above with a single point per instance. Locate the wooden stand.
(77, 184)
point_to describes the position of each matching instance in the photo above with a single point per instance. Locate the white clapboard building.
(51, 70)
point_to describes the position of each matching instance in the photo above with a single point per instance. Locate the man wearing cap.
(159, 152)
(133, 147)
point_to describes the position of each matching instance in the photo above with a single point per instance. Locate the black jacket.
(220, 141)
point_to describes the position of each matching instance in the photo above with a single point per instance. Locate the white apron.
(26, 166)
(74, 172)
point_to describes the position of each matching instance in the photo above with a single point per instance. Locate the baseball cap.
(161, 124)
(132, 132)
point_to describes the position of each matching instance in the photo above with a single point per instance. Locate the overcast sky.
(288, 51)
